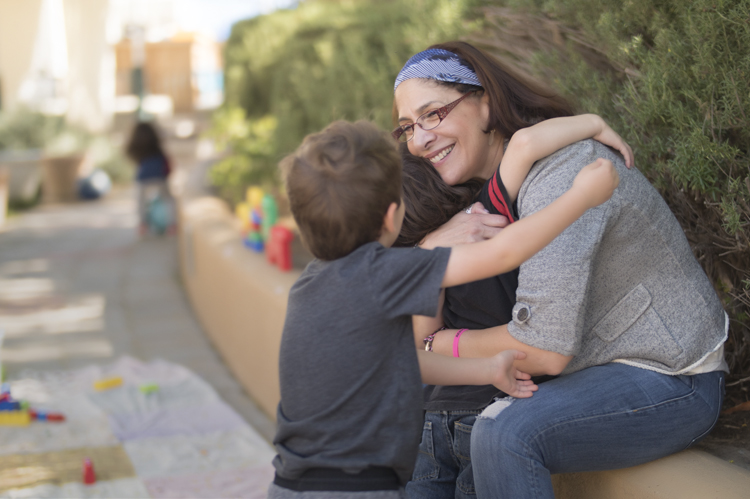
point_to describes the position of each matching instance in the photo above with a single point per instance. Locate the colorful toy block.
(107, 383)
(149, 388)
(279, 249)
(89, 476)
(15, 418)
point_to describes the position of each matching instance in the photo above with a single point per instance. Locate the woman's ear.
(484, 111)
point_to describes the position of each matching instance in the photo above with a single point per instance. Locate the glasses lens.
(429, 120)
(404, 133)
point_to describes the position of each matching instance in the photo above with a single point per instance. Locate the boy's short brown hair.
(340, 183)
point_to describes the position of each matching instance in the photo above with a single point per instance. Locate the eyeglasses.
(428, 121)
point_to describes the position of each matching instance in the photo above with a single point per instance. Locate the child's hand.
(610, 138)
(507, 378)
(596, 182)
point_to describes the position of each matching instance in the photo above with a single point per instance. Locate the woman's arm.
(466, 228)
(487, 342)
(531, 144)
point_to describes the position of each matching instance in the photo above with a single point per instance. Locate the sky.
(217, 16)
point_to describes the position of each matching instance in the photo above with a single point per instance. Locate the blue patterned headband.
(437, 64)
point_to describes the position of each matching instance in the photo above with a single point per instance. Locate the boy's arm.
(523, 239)
(498, 370)
(424, 326)
(531, 144)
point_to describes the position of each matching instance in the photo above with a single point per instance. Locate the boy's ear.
(389, 220)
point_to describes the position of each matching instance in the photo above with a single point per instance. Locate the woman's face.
(458, 148)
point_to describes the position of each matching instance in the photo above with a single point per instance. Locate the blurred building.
(75, 57)
(186, 67)
(55, 57)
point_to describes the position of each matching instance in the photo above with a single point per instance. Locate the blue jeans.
(600, 418)
(443, 467)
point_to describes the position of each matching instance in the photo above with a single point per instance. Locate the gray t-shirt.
(350, 384)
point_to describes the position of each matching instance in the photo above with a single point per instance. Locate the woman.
(617, 305)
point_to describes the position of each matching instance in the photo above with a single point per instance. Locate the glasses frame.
(441, 112)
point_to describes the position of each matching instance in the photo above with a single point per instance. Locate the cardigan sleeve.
(553, 285)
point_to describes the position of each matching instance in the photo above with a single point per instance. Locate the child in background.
(153, 166)
(350, 415)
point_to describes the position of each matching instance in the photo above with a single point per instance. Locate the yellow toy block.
(254, 196)
(107, 383)
(15, 418)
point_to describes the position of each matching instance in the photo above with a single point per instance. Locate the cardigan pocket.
(624, 314)
(646, 337)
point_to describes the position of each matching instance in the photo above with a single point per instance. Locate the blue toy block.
(6, 405)
(256, 217)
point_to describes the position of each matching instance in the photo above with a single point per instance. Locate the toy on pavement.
(89, 476)
(107, 383)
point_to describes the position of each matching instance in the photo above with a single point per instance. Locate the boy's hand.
(610, 138)
(596, 182)
(507, 378)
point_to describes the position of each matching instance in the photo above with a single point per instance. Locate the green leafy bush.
(24, 129)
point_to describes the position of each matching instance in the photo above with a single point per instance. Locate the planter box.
(24, 172)
(60, 178)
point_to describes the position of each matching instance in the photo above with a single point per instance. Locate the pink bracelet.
(455, 341)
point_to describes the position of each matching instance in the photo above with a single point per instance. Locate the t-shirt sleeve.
(407, 281)
(494, 197)
(553, 285)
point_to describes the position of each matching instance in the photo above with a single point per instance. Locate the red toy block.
(89, 476)
(279, 247)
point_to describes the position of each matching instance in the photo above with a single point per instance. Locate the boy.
(350, 414)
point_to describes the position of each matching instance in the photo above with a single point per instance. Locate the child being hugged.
(350, 415)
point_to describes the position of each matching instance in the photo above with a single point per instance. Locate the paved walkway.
(78, 287)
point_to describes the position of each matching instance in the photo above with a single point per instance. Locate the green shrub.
(24, 129)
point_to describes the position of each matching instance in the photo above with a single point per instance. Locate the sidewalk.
(79, 288)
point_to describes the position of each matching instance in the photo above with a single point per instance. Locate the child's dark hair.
(429, 201)
(340, 183)
(144, 142)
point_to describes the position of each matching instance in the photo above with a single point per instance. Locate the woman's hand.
(465, 228)
(610, 138)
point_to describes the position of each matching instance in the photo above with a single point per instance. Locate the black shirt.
(478, 305)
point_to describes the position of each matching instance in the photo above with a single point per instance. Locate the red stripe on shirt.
(496, 196)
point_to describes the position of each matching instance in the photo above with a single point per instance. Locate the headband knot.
(437, 64)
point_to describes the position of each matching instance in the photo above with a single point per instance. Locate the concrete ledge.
(241, 302)
(686, 475)
(238, 297)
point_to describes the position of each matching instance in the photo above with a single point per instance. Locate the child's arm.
(531, 144)
(424, 326)
(520, 241)
(498, 370)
